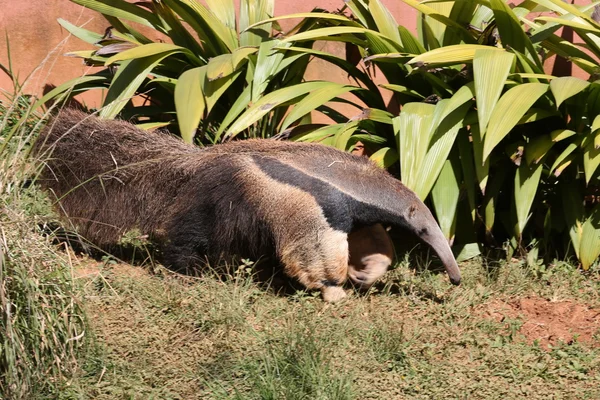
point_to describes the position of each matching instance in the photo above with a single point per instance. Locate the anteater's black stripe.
(342, 211)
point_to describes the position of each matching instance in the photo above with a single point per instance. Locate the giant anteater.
(298, 202)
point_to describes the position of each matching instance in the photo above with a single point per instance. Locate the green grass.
(164, 336)
(42, 324)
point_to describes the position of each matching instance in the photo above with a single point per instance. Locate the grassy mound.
(42, 325)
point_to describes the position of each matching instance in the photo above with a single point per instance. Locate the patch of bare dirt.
(550, 322)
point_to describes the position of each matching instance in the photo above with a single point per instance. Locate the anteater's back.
(111, 176)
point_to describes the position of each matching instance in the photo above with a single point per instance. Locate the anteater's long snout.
(435, 238)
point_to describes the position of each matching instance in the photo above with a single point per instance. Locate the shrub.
(227, 75)
(483, 132)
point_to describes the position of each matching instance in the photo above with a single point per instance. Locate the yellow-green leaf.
(189, 101)
(537, 148)
(385, 157)
(580, 24)
(413, 130)
(80, 33)
(445, 195)
(127, 80)
(509, 110)
(490, 70)
(268, 102)
(315, 99)
(342, 137)
(591, 158)
(566, 86)
(527, 180)
(147, 50)
(225, 64)
(317, 15)
(482, 166)
(561, 134)
(589, 248)
(384, 20)
(457, 54)
(561, 159)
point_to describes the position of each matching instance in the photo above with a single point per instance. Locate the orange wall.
(38, 43)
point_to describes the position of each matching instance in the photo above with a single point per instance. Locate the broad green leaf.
(327, 33)
(454, 26)
(455, 54)
(177, 32)
(83, 54)
(413, 131)
(385, 157)
(536, 114)
(318, 135)
(591, 158)
(445, 195)
(424, 142)
(80, 33)
(589, 248)
(268, 102)
(151, 49)
(315, 99)
(468, 251)
(127, 80)
(463, 13)
(384, 20)
(242, 103)
(207, 27)
(527, 180)
(409, 42)
(343, 136)
(566, 86)
(595, 124)
(122, 10)
(440, 144)
(403, 90)
(376, 115)
(563, 165)
(561, 7)
(148, 126)
(511, 30)
(468, 170)
(581, 24)
(224, 11)
(537, 148)
(225, 64)
(490, 70)
(438, 28)
(561, 134)
(207, 24)
(251, 12)
(509, 110)
(563, 157)
(267, 64)
(532, 76)
(70, 87)
(317, 15)
(213, 90)
(482, 166)
(573, 212)
(189, 101)
(448, 106)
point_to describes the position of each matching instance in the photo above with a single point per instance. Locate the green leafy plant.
(217, 73)
(483, 131)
